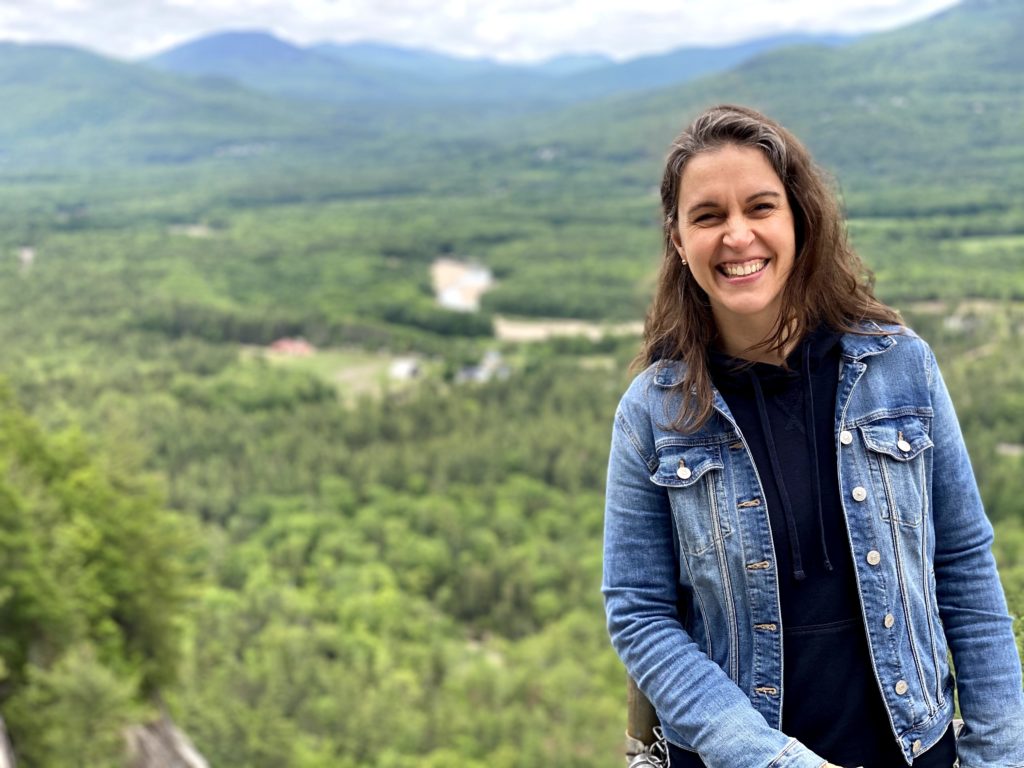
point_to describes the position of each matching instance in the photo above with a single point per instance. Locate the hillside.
(377, 74)
(264, 62)
(431, 66)
(936, 102)
(923, 121)
(67, 107)
(687, 64)
(256, 474)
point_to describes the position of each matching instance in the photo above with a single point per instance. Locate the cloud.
(505, 29)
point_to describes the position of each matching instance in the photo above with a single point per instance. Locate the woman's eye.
(764, 207)
(704, 218)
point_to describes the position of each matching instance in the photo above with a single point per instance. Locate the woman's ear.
(678, 245)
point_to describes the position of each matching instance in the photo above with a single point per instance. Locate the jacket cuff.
(796, 755)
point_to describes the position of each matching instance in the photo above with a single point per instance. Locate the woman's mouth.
(743, 268)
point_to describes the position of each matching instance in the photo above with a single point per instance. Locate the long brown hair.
(828, 282)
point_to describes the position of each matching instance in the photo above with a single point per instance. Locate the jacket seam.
(634, 441)
(786, 749)
(923, 412)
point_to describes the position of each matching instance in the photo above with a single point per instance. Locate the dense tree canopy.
(312, 562)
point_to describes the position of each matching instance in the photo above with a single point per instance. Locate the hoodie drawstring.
(812, 444)
(787, 507)
(810, 431)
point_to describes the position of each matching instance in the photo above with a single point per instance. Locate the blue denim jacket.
(691, 589)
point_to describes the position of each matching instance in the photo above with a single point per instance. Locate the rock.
(6, 753)
(160, 744)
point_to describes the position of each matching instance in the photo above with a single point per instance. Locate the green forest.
(308, 560)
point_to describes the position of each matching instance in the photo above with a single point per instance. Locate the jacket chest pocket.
(896, 451)
(690, 475)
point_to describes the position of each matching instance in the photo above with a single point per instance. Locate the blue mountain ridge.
(378, 72)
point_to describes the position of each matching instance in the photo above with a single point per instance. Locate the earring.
(684, 262)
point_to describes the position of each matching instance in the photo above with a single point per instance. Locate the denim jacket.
(691, 589)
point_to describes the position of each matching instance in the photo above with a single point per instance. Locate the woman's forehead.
(729, 169)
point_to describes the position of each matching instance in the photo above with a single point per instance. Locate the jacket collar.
(669, 373)
(855, 346)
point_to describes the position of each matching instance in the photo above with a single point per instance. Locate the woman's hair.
(828, 282)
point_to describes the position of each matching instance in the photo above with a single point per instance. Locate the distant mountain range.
(938, 101)
(250, 91)
(371, 72)
(63, 106)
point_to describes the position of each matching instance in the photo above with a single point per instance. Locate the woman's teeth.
(741, 270)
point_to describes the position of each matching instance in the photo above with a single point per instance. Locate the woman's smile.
(743, 269)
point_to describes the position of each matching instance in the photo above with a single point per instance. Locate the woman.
(793, 537)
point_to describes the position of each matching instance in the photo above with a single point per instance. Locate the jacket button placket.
(759, 568)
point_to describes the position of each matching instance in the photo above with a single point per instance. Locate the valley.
(307, 395)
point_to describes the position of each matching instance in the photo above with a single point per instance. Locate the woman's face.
(735, 231)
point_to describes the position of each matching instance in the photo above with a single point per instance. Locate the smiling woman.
(790, 506)
(735, 233)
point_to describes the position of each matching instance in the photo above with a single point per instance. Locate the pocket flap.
(680, 466)
(901, 438)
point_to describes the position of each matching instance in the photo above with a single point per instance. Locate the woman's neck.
(742, 341)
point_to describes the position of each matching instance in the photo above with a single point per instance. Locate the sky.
(508, 30)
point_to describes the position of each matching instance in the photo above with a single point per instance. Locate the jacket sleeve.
(691, 693)
(977, 625)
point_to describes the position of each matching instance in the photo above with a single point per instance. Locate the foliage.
(73, 713)
(318, 567)
(87, 555)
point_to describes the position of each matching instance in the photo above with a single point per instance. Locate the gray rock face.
(6, 753)
(160, 744)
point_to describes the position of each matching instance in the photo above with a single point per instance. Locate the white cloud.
(506, 29)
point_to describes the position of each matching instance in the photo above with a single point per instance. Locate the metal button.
(903, 445)
(874, 557)
(846, 437)
(916, 746)
(889, 620)
(859, 494)
(902, 687)
(684, 471)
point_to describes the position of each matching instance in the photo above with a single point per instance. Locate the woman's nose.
(738, 234)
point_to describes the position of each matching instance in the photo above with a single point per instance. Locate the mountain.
(936, 101)
(379, 73)
(573, 64)
(264, 62)
(65, 104)
(231, 53)
(363, 73)
(426, 65)
(685, 64)
(939, 99)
